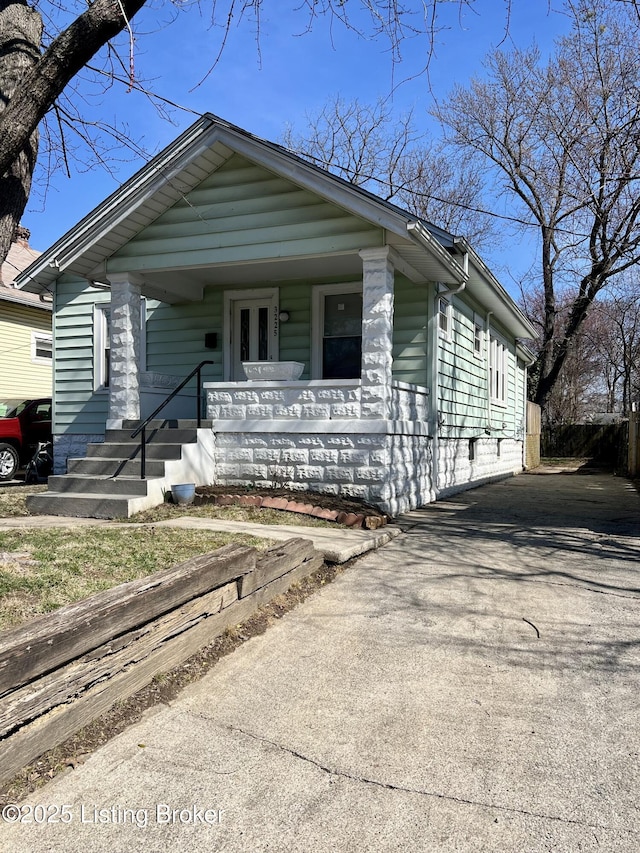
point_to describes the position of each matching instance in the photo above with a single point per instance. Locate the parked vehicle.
(23, 425)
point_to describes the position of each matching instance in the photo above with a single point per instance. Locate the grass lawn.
(42, 569)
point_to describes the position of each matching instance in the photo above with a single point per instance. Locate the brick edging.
(348, 519)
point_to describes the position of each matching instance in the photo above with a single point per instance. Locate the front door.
(252, 335)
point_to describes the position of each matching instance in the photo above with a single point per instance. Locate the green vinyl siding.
(295, 334)
(410, 318)
(463, 380)
(176, 336)
(242, 212)
(77, 408)
(462, 376)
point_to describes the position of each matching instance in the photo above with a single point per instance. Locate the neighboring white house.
(228, 247)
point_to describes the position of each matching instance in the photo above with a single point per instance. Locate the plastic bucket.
(183, 493)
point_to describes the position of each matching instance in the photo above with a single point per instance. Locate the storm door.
(252, 333)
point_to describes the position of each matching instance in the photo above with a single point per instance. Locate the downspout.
(435, 396)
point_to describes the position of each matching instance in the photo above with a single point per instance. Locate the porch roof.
(423, 251)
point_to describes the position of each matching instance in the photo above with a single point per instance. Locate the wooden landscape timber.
(90, 666)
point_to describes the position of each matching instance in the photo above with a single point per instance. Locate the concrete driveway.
(472, 686)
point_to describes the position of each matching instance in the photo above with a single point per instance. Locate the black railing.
(142, 429)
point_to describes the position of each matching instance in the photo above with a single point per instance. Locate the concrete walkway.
(471, 686)
(336, 544)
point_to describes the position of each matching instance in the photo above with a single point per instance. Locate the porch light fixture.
(283, 316)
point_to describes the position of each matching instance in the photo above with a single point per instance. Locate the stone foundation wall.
(390, 471)
(312, 436)
(69, 446)
(493, 458)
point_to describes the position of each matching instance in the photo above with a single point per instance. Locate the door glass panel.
(263, 334)
(245, 338)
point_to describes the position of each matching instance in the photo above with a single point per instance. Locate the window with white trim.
(478, 336)
(498, 364)
(337, 331)
(41, 348)
(444, 317)
(101, 346)
(102, 343)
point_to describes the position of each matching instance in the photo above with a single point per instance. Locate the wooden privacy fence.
(604, 444)
(532, 443)
(633, 461)
(60, 671)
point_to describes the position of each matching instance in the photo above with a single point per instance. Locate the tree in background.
(614, 333)
(601, 373)
(369, 146)
(561, 140)
(45, 45)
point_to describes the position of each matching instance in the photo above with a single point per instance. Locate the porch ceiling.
(187, 285)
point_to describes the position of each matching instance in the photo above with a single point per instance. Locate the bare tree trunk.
(20, 39)
(32, 82)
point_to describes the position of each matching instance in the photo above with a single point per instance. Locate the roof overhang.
(425, 252)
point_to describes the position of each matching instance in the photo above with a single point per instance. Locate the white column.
(377, 331)
(124, 370)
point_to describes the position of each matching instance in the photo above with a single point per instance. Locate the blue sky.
(292, 74)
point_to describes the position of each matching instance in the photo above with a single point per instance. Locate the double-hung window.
(498, 365)
(444, 317)
(337, 331)
(102, 343)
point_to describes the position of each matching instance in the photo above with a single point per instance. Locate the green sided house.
(344, 345)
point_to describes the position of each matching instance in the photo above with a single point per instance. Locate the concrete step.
(168, 424)
(81, 506)
(101, 467)
(110, 450)
(88, 484)
(164, 436)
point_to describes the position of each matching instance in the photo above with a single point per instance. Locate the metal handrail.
(143, 426)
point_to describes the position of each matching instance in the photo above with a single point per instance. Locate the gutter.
(427, 241)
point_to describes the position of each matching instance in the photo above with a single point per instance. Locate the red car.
(23, 423)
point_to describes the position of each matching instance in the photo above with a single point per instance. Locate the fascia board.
(525, 330)
(26, 301)
(116, 207)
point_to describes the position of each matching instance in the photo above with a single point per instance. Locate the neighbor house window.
(337, 331)
(41, 347)
(498, 371)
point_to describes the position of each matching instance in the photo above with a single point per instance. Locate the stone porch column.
(124, 370)
(377, 331)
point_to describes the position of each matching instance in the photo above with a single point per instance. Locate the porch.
(321, 436)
